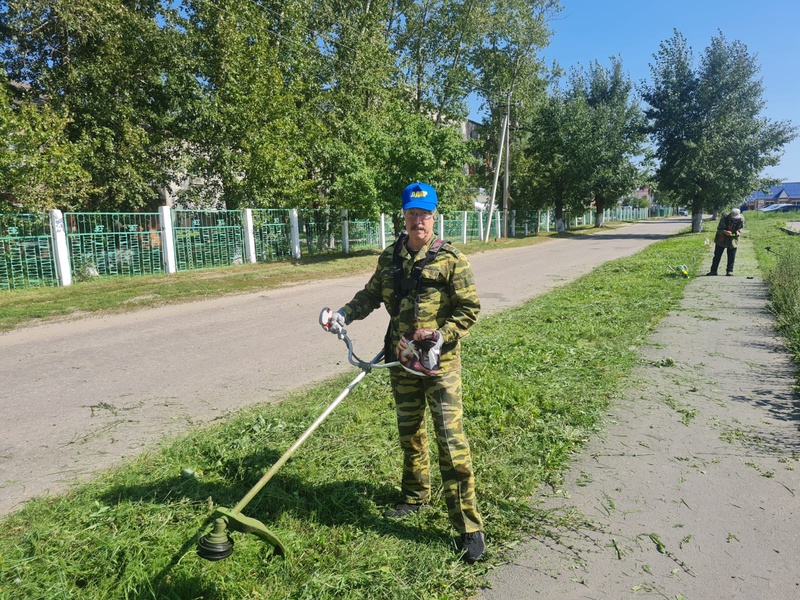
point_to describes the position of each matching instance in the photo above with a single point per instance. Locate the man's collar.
(422, 250)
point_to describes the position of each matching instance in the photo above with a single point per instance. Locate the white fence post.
(480, 225)
(464, 228)
(167, 239)
(441, 227)
(59, 233)
(382, 235)
(345, 232)
(295, 233)
(249, 236)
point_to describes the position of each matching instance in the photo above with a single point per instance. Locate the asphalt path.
(86, 394)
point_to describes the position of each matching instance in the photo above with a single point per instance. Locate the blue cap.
(420, 195)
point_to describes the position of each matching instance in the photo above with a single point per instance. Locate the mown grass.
(537, 381)
(33, 306)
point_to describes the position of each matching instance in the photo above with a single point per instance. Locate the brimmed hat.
(420, 195)
(736, 214)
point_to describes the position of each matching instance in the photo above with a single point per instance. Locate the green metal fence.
(454, 226)
(127, 244)
(533, 222)
(207, 238)
(26, 252)
(113, 244)
(272, 234)
(452, 229)
(366, 235)
(320, 230)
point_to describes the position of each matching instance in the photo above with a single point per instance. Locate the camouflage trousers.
(442, 394)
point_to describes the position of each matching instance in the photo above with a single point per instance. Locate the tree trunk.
(599, 208)
(560, 228)
(697, 221)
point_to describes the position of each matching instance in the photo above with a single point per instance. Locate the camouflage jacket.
(448, 300)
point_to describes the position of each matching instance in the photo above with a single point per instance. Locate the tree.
(616, 133)
(711, 141)
(115, 72)
(39, 167)
(558, 150)
(266, 103)
(506, 63)
(432, 41)
(256, 114)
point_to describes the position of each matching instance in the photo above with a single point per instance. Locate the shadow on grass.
(353, 503)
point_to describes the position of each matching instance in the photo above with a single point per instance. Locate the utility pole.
(496, 175)
(505, 174)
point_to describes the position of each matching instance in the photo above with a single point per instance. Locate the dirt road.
(84, 395)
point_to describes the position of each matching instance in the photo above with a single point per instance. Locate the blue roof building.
(788, 193)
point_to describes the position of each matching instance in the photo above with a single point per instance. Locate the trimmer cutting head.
(217, 544)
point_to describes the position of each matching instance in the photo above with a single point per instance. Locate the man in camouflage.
(442, 307)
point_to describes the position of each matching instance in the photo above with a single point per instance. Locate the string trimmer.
(217, 544)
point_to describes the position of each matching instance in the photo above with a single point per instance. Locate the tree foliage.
(39, 167)
(115, 74)
(616, 133)
(584, 142)
(255, 102)
(557, 148)
(712, 142)
(123, 104)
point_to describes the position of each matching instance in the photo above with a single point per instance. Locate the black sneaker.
(402, 510)
(711, 274)
(472, 546)
(729, 273)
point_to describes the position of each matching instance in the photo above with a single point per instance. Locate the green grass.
(537, 381)
(781, 268)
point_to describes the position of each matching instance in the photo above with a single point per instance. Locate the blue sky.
(588, 30)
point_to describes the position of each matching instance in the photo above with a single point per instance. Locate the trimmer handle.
(325, 319)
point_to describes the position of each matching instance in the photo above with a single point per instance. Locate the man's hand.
(332, 321)
(419, 351)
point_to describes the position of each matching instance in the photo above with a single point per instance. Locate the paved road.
(84, 395)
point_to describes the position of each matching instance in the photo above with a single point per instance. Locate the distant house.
(787, 193)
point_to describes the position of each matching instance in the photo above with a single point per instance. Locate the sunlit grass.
(781, 268)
